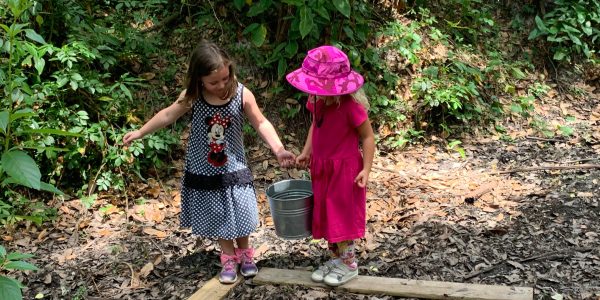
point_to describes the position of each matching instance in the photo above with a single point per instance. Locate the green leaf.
(22, 113)
(10, 289)
(587, 29)
(281, 68)
(51, 131)
(291, 49)
(349, 32)
(534, 34)
(239, 4)
(259, 35)
(4, 119)
(322, 11)
(2, 251)
(517, 73)
(18, 256)
(343, 6)
(566, 130)
(540, 24)
(76, 76)
(306, 21)
(22, 168)
(20, 265)
(39, 64)
(559, 55)
(34, 36)
(259, 8)
(50, 188)
(250, 28)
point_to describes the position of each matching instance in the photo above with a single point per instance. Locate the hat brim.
(337, 86)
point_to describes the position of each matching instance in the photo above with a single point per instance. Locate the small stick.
(542, 139)
(474, 195)
(583, 166)
(575, 161)
(548, 255)
(484, 270)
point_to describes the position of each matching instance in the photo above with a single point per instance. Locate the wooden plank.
(213, 290)
(401, 287)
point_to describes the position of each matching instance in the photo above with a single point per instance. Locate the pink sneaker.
(245, 256)
(229, 272)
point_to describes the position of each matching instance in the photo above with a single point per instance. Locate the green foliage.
(466, 21)
(572, 28)
(288, 28)
(10, 288)
(62, 106)
(449, 91)
(17, 167)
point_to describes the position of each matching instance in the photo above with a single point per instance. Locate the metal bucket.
(291, 204)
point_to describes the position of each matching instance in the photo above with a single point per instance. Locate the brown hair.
(205, 59)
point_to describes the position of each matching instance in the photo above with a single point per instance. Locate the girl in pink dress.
(338, 170)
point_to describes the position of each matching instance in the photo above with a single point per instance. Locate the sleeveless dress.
(218, 199)
(339, 211)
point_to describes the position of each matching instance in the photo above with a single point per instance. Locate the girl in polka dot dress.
(218, 199)
(338, 169)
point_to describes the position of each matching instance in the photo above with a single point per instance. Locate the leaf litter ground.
(432, 215)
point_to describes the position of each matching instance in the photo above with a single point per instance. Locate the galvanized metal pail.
(291, 204)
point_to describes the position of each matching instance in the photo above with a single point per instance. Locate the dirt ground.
(432, 215)
(486, 218)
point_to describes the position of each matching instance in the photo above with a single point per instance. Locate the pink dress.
(339, 203)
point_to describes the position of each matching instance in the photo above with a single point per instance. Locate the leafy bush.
(10, 288)
(572, 28)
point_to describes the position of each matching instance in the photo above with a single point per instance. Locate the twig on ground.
(543, 139)
(484, 270)
(575, 161)
(548, 255)
(555, 254)
(474, 195)
(543, 168)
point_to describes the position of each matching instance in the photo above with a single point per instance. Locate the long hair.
(205, 59)
(359, 96)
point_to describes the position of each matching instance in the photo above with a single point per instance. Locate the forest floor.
(432, 215)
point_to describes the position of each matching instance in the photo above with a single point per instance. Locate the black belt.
(215, 182)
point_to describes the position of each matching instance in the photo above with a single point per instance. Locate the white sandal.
(339, 275)
(319, 274)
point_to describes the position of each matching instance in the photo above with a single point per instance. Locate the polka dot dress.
(218, 199)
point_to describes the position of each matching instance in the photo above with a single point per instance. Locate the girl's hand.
(362, 178)
(303, 160)
(285, 158)
(131, 136)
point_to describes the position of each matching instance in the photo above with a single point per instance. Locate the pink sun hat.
(326, 72)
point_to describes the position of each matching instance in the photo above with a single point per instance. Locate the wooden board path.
(214, 290)
(401, 287)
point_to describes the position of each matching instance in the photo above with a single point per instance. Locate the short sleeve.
(356, 113)
(310, 104)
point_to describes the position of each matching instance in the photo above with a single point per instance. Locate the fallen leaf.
(154, 232)
(146, 269)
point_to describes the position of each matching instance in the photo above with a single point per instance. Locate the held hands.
(285, 158)
(131, 136)
(362, 178)
(303, 160)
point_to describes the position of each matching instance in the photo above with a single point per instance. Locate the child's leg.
(333, 258)
(227, 246)
(333, 250)
(346, 252)
(245, 255)
(229, 262)
(347, 269)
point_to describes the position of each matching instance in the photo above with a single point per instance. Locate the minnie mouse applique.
(216, 139)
